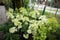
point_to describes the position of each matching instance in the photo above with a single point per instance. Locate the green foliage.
(53, 23)
(9, 36)
(5, 27)
(26, 2)
(6, 1)
(53, 35)
(16, 3)
(31, 22)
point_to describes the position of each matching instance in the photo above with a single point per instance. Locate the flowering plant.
(31, 22)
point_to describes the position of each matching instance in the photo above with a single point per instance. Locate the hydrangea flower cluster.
(30, 22)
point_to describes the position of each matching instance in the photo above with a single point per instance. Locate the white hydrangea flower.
(12, 30)
(25, 18)
(34, 32)
(20, 25)
(9, 15)
(17, 16)
(29, 31)
(21, 17)
(15, 21)
(32, 14)
(39, 22)
(26, 23)
(26, 36)
(10, 10)
(43, 18)
(33, 21)
(32, 28)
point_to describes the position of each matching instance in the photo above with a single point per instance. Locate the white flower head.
(25, 18)
(15, 21)
(20, 25)
(25, 36)
(10, 10)
(12, 30)
(17, 16)
(29, 31)
(9, 15)
(43, 18)
(32, 21)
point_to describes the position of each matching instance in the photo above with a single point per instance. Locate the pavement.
(48, 8)
(3, 17)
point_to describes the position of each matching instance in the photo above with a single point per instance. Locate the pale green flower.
(33, 21)
(39, 23)
(10, 10)
(15, 21)
(12, 30)
(21, 17)
(19, 25)
(23, 11)
(9, 15)
(32, 28)
(25, 18)
(32, 14)
(29, 31)
(26, 23)
(26, 36)
(17, 16)
(43, 18)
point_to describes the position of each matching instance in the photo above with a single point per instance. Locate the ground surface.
(48, 8)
